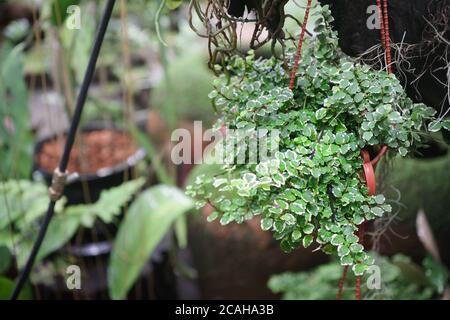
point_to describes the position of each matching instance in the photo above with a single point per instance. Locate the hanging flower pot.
(314, 190)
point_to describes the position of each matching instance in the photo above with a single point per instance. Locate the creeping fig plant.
(311, 190)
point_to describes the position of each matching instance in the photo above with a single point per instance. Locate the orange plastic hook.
(369, 172)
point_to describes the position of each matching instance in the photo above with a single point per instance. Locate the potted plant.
(311, 192)
(105, 156)
(113, 268)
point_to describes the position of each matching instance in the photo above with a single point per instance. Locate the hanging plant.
(312, 190)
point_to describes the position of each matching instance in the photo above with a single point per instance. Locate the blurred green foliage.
(15, 136)
(149, 218)
(23, 203)
(183, 94)
(401, 279)
(423, 183)
(6, 287)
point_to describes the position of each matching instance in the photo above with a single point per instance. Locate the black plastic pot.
(91, 248)
(92, 258)
(104, 178)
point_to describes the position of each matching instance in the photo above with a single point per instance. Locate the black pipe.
(69, 142)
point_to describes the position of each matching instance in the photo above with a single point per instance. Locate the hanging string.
(358, 288)
(60, 172)
(341, 283)
(369, 165)
(381, 17)
(299, 46)
(387, 36)
(370, 179)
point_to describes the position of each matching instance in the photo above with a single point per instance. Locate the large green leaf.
(109, 204)
(15, 135)
(148, 220)
(181, 231)
(60, 231)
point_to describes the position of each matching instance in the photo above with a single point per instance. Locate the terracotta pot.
(236, 261)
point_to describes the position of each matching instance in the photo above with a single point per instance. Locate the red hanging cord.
(380, 154)
(387, 36)
(382, 31)
(299, 46)
(358, 288)
(369, 165)
(341, 283)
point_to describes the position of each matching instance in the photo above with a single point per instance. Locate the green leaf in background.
(16, 142)
(59, 10)
(109, 204)
(5, 259)
(400, 280)
(181, 231)
(7, 286)
(436, 273)
(173, 4)
(24, 202)
(60, 231)
(147, 221)
(150, 150)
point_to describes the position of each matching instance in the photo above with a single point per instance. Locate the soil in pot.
(94, 151)
(102, 155)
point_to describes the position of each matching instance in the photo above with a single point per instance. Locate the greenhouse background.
(353, 204)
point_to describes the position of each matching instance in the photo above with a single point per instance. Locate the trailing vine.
(312, 189)
(222, 21)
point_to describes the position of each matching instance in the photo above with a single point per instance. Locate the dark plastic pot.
(104, 178)
(93, 258)
(91, 248)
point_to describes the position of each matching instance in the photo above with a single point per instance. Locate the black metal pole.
(69, 142)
